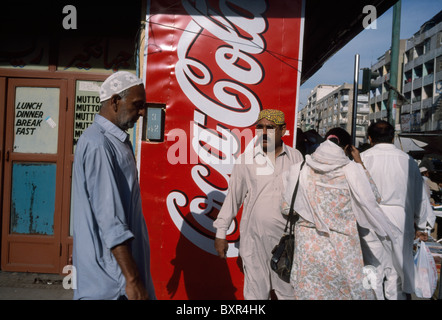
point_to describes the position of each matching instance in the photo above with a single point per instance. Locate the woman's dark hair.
(339, 136)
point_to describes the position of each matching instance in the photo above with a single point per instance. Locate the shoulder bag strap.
(292, 218)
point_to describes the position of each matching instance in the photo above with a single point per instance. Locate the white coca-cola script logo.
(241, 41)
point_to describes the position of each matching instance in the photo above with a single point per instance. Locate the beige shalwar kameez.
(257, 184)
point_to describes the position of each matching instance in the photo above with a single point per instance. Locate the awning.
(409, 144)
(329, 26)
(430, 141)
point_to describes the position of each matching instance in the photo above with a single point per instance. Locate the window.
(36, 120)
(427, 46)
(87, 105)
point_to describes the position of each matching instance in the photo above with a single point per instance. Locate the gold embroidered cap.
(276, 116)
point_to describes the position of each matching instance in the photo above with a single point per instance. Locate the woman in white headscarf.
(335, 195)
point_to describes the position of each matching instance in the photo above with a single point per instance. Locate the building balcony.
(418, 61)
(416, 99)
(416, 105)
(427, 103)
(379, 64)
(380, 114)
(363, 109)
(406, 108)
(361, 122)
(428, 79)
(417, 83)
(428, 56)
(409, 66)
(363, 98)
(439, 76)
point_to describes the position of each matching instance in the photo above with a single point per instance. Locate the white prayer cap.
(423, 169)
(117, 83)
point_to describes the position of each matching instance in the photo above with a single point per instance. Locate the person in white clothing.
(430, 185)
(256, 183)
(404, 202)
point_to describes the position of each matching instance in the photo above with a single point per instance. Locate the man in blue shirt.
(111, 251)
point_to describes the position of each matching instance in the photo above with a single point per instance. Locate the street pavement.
(32, 286)
(38, 286)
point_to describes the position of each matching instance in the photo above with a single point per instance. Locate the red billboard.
(214, 65)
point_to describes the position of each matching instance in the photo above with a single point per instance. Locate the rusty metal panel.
(33, 198)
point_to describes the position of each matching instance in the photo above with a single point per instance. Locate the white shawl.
(330, 157)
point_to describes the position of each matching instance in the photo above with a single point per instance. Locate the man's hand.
(221, 247)
(423, 236)
(135, 289)
(351, 150)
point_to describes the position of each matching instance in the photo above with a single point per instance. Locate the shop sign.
(214, 65)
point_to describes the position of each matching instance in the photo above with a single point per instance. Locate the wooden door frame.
(66, 238)
(71, 78)
(2, 140)
(29, 241)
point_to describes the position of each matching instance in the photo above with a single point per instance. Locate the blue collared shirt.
(106, 212)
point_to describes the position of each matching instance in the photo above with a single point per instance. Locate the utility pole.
(355, 99)
(395, 39)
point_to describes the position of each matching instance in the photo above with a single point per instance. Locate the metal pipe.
(355, 99)
(394, 66)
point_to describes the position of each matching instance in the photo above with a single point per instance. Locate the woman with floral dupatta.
(335, 195)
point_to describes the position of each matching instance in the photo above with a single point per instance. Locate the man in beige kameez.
(256, 183)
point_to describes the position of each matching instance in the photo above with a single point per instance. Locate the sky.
(370, 44)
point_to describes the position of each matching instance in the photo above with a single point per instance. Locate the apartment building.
(422, 79)
(379, 94)
(331, 106)
(302, 116)
(308, 115)
(336, 110)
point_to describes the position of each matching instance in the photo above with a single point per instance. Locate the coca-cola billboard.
(214, 65)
